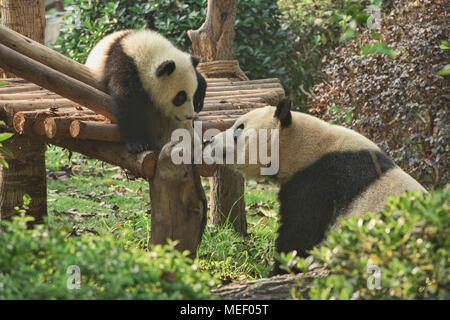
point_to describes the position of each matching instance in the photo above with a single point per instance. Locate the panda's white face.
(251, 144)
(166, 72)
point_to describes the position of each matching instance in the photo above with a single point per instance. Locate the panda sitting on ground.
(325, 171)
(141, 68)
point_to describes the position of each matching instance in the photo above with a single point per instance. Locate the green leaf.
(445, 45)
(381, 48)
(445, 71)
(3, 83)
(6, 151)
(375, 35)
(3, 162)
(335, 108)
(349, 117)
(5, 136)
(348, 34)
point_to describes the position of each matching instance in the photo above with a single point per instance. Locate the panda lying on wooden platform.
(141, 69)
(325, 171)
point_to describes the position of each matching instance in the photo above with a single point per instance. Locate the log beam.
(56, 81)
(141, 164)
(48, 57)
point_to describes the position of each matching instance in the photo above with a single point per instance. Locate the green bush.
(407, 243)
(36, 264)
(401, 104)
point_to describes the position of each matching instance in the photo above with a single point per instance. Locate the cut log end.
(19, 123)
(50, 127)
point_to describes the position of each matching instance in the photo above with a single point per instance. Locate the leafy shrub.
(35, 264)
(407, 244)
(401, 104)
(4, 151)
(316, 27)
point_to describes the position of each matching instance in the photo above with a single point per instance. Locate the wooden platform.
(27, 108)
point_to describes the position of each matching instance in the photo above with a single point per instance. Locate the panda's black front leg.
(132, 119)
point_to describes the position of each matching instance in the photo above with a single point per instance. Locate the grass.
(91, 196)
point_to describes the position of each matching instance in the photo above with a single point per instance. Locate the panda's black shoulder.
(121, 73)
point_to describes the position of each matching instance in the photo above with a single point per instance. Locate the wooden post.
(214, 41)
(26, 173)
(178, 203)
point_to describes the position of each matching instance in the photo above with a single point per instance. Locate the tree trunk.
(26, 17)
(215, 41)
(26, 172)
(25, 175)
(227, 202)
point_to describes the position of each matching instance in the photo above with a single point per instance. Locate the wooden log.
(230, 105)
(95, 131)
(141, 164)
(220, 82)
(9, 109)
(28, 122)
(32, 95)
(251, 86)
(60, 126)
(55, 81)
(270, 97)
(178, 203)
(19, 89)
(99, 131)
(219, 124)
(48, 57)
(22, 105)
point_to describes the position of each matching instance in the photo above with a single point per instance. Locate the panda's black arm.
(200, 93)
(131, 113)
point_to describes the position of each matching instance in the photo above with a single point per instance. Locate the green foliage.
(228, 255)
(407, 243)
(87, 22)
(379, 47)
(399, 104)
(36, 264)
(3, 137)
(317, 27)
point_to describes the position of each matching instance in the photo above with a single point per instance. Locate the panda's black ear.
(167, 66)
(283, 112)
(195, 61)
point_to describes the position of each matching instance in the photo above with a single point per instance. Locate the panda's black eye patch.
(237, 131)
(180, 98)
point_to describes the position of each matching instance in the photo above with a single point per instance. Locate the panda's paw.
(138, 147)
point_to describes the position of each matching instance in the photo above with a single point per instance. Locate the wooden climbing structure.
(55, 100)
